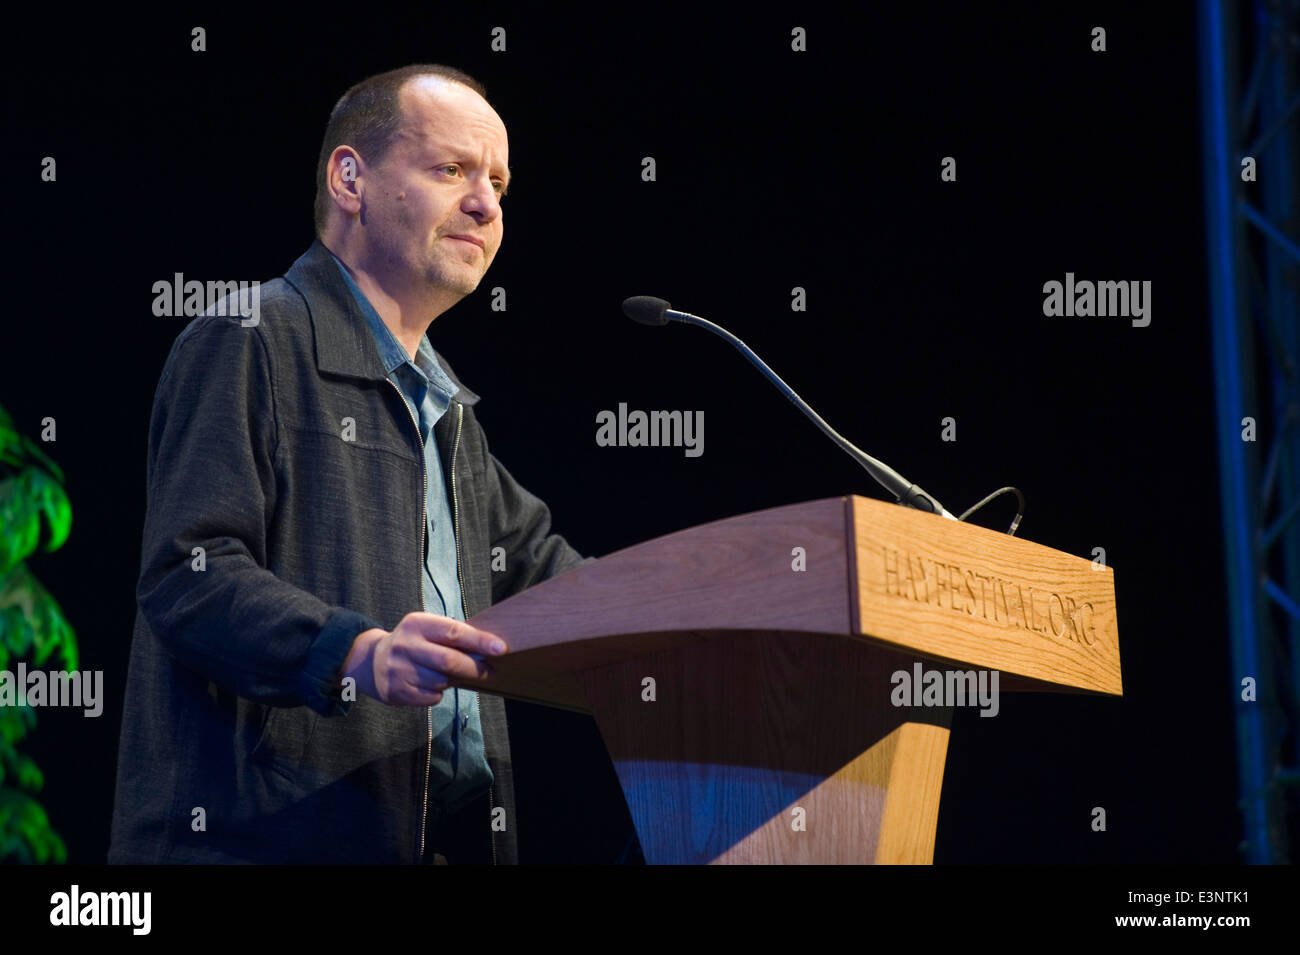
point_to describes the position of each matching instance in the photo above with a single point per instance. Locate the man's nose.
(482, 201)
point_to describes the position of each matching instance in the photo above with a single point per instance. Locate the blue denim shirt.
(458, 769)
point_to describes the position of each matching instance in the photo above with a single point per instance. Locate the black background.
(775, 169)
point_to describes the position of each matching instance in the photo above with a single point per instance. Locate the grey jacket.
(270, 542)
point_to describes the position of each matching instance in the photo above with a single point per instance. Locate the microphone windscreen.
(646, 309)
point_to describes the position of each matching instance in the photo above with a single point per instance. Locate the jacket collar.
(344, 344)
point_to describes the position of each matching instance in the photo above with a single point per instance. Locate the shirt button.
(464, 721)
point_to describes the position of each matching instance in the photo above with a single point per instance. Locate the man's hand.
(412, 664)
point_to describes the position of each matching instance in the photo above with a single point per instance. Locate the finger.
(448, 661)
(414, 697)
(456, 633)
(429, 679)
(404, 693)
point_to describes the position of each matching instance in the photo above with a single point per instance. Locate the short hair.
(368, 118)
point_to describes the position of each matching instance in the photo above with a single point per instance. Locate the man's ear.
(344, 176)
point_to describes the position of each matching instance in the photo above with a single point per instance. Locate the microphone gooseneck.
(649, 310)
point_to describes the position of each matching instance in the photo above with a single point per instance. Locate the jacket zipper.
(455, 526)
(424, 517)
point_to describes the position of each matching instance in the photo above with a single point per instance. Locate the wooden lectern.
(745, 673)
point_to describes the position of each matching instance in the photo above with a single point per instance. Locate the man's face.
(443, 177)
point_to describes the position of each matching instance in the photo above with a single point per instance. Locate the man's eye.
(452, 166)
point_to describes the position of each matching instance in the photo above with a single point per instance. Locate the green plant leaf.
(19, 632)
(33, 450)
(17, 451)
(15, 722)
(25, 833)
(31, 621)
(52, 502)
(51, 631)
(10, 440)
(34, 511)
(20, 523)
(29, 774)
(6, 624)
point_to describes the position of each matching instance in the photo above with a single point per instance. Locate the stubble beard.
(445, 275)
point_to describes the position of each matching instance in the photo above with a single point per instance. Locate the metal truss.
(1250, 105)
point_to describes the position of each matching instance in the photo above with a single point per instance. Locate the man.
(323, 513)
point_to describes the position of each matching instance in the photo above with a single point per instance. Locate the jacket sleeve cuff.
(321, 681)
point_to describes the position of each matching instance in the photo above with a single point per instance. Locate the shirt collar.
(391, 352)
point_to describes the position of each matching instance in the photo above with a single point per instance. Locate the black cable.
(1002, 490)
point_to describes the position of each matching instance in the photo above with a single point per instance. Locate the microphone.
(649, 310)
